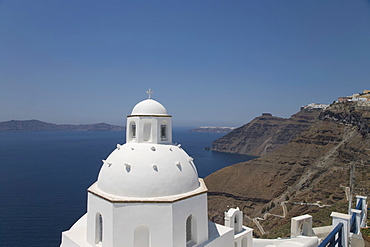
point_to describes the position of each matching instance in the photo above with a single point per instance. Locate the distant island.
(36, 125)
(213, 129)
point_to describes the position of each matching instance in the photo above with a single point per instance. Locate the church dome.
(144, 170)
(149, 107)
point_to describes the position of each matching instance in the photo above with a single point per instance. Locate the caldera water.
(44, 177)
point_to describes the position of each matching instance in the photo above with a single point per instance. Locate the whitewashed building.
(148, 194)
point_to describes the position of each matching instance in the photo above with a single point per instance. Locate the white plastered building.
(148, 194)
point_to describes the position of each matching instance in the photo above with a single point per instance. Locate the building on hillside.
(359, 99)
(364, 96)
(344, 99)
(314, 106)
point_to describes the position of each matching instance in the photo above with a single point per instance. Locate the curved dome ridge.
(149, 107)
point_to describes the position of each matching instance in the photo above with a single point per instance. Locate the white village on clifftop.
(364, 97)
(148, 194)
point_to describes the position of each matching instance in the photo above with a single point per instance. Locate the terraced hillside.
(311, 170)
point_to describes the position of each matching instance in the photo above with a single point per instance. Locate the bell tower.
(149, 123)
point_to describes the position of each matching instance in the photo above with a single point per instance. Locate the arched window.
(98, 228)
(188, 229)
(141, 237)
(191, 230)
(132, 132)
(238, 221)
(163, 132)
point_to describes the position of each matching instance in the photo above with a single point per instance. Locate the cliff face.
(350, 113)
(213, 129)
(313, 166)
(265, 134)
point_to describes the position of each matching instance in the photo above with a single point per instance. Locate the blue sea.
(44, 177)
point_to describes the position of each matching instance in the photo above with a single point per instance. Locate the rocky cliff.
(213, 129)
(36, 125)
(266, 133)
(306, 174)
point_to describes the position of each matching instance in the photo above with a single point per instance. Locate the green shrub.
(365, 231)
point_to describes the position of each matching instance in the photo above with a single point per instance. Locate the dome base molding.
(93, 189)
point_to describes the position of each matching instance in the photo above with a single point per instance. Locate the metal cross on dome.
(149, 92)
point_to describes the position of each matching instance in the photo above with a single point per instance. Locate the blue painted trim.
(330, 240)
(353, 219)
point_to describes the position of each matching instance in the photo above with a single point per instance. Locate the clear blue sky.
(209, 62)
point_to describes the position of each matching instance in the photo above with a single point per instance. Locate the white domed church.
(148, 194)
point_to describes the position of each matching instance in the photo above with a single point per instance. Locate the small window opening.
(133, 131)
(163, 132)
(99, 229)
(188, 230)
